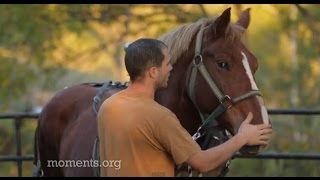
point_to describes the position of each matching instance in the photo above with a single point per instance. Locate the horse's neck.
(175, 98)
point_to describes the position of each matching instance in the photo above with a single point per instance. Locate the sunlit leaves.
(45, 47)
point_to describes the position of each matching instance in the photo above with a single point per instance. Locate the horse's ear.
(221, 23)
(244, 19)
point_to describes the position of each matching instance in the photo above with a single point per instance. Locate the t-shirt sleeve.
(175, 138)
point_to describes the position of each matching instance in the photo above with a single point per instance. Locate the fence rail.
(294, 111)
(267, 155)
(273, 155)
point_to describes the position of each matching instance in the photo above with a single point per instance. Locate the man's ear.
(153, 72)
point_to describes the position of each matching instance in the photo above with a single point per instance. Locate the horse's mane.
(178, 40)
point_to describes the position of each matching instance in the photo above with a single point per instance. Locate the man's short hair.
(143, 54)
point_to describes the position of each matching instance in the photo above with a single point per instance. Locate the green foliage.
(45, 47)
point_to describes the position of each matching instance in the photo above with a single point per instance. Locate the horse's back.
(67, 124)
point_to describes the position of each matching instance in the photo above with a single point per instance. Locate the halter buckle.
(199, 60)
(196, 136)
(224, 99)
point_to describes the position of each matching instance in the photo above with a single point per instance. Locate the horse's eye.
(224, 65)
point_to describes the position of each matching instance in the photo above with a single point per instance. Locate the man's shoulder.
(110, 100)
(163, 111)
(159, 107)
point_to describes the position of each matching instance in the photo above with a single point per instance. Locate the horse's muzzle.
(251, 150)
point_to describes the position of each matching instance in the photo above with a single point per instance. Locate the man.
(147, 137)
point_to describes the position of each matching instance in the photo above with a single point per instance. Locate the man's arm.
(248, 134)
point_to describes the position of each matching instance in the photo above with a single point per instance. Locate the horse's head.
(213, 75)
(225, 77)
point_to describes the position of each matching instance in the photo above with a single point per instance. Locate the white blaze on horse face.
(264, 112)
(248, 71)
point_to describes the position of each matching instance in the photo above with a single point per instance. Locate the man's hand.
(255, 134)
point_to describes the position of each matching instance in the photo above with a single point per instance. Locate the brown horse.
(212, 82)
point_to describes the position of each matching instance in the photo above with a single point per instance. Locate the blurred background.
(44, 48)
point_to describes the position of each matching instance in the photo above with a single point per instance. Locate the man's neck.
(142, 87)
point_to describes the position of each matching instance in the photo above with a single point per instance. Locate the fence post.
(18, 141)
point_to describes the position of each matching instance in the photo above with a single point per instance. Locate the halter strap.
(199, 41)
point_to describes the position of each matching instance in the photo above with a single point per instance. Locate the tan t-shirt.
(139, 137)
